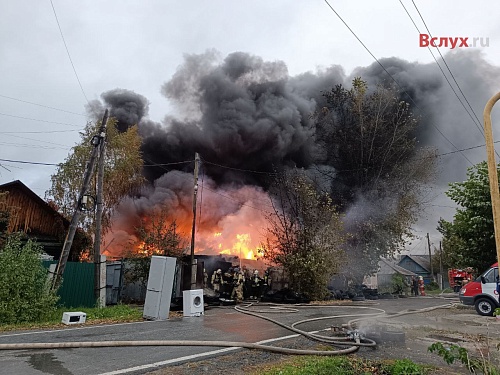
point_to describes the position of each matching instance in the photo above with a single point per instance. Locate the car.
(482, 293)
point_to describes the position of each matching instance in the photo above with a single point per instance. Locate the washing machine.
(192, 301)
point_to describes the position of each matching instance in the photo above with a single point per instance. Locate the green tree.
(305, 235)
(380, 172)
(25, 294)
(469, 240)
(122, 173)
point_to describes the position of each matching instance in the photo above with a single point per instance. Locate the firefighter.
(227, 283)
(266, 283)
(255, 285)
(217, 281)
(421, 286)
(238, 282)
(414, 286)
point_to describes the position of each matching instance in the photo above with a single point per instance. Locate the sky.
(139, 45)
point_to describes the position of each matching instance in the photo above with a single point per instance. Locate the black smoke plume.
(249, 114)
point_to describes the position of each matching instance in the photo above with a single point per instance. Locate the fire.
(239, 246)
(222, 227)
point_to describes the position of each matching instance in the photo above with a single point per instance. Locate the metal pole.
(193, 263)
(492, 168)
(61, 265)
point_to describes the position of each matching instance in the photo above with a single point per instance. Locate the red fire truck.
(459, 277)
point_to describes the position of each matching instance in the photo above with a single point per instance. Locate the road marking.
(76, 328)
(195, 356)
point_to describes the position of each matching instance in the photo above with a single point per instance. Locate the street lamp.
(492, 169)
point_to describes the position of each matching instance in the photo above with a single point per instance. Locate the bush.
(25, 294)
(432, 286)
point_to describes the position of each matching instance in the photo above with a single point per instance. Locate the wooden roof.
(32, 214)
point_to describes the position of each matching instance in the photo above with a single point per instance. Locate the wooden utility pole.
(441, 264)
(430, 255)
(98, 284)
(68, 241)
(492, 169)
(195, 194)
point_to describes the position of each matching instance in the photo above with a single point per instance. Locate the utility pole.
(430, 256)
(441, 264)
(99, 293)
(68, 241)
(195, 193)
(492, 169)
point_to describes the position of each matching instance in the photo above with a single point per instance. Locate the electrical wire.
(36, 140)
(446, 64)
(67, 51)
(239, 169)
(216, 192)
(35, 119)
(25, 145)
(40, 132)
(28, 162)
(395, 81)
(476, 121)
(42, 105)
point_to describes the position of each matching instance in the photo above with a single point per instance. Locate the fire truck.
(459, 277)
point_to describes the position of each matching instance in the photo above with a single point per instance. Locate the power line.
(27, 162)
(36, 140)
(216, 192)
(476, 121)
(166, 164)
(239, 169)
(447, 67)
(67, 51)
(390, 75)
(42, 105)
(25, 145)
(441, 69)
(40, 132)
(35, 119)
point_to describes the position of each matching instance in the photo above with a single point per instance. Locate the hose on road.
(353, 342)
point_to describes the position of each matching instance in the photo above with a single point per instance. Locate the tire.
(484, 306)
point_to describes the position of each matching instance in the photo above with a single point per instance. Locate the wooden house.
(33, 216)
(418, 264)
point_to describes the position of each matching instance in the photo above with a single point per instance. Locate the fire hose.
(353, 339)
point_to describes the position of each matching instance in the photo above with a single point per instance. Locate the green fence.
(77, 289)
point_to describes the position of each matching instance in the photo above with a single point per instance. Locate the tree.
(469, 240)
(368, 137)
(156, 236)
(305, 234)
(25, 294)
(122, 173)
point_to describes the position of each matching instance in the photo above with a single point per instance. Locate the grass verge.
(95, 315)
(342, 365)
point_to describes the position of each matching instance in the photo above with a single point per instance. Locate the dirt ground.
(407, 336)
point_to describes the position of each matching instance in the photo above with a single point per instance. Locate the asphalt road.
(222, 324)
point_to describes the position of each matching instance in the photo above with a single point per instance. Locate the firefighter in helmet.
(255, 285)
(238, 282)
(421, 286)
(217, 281)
